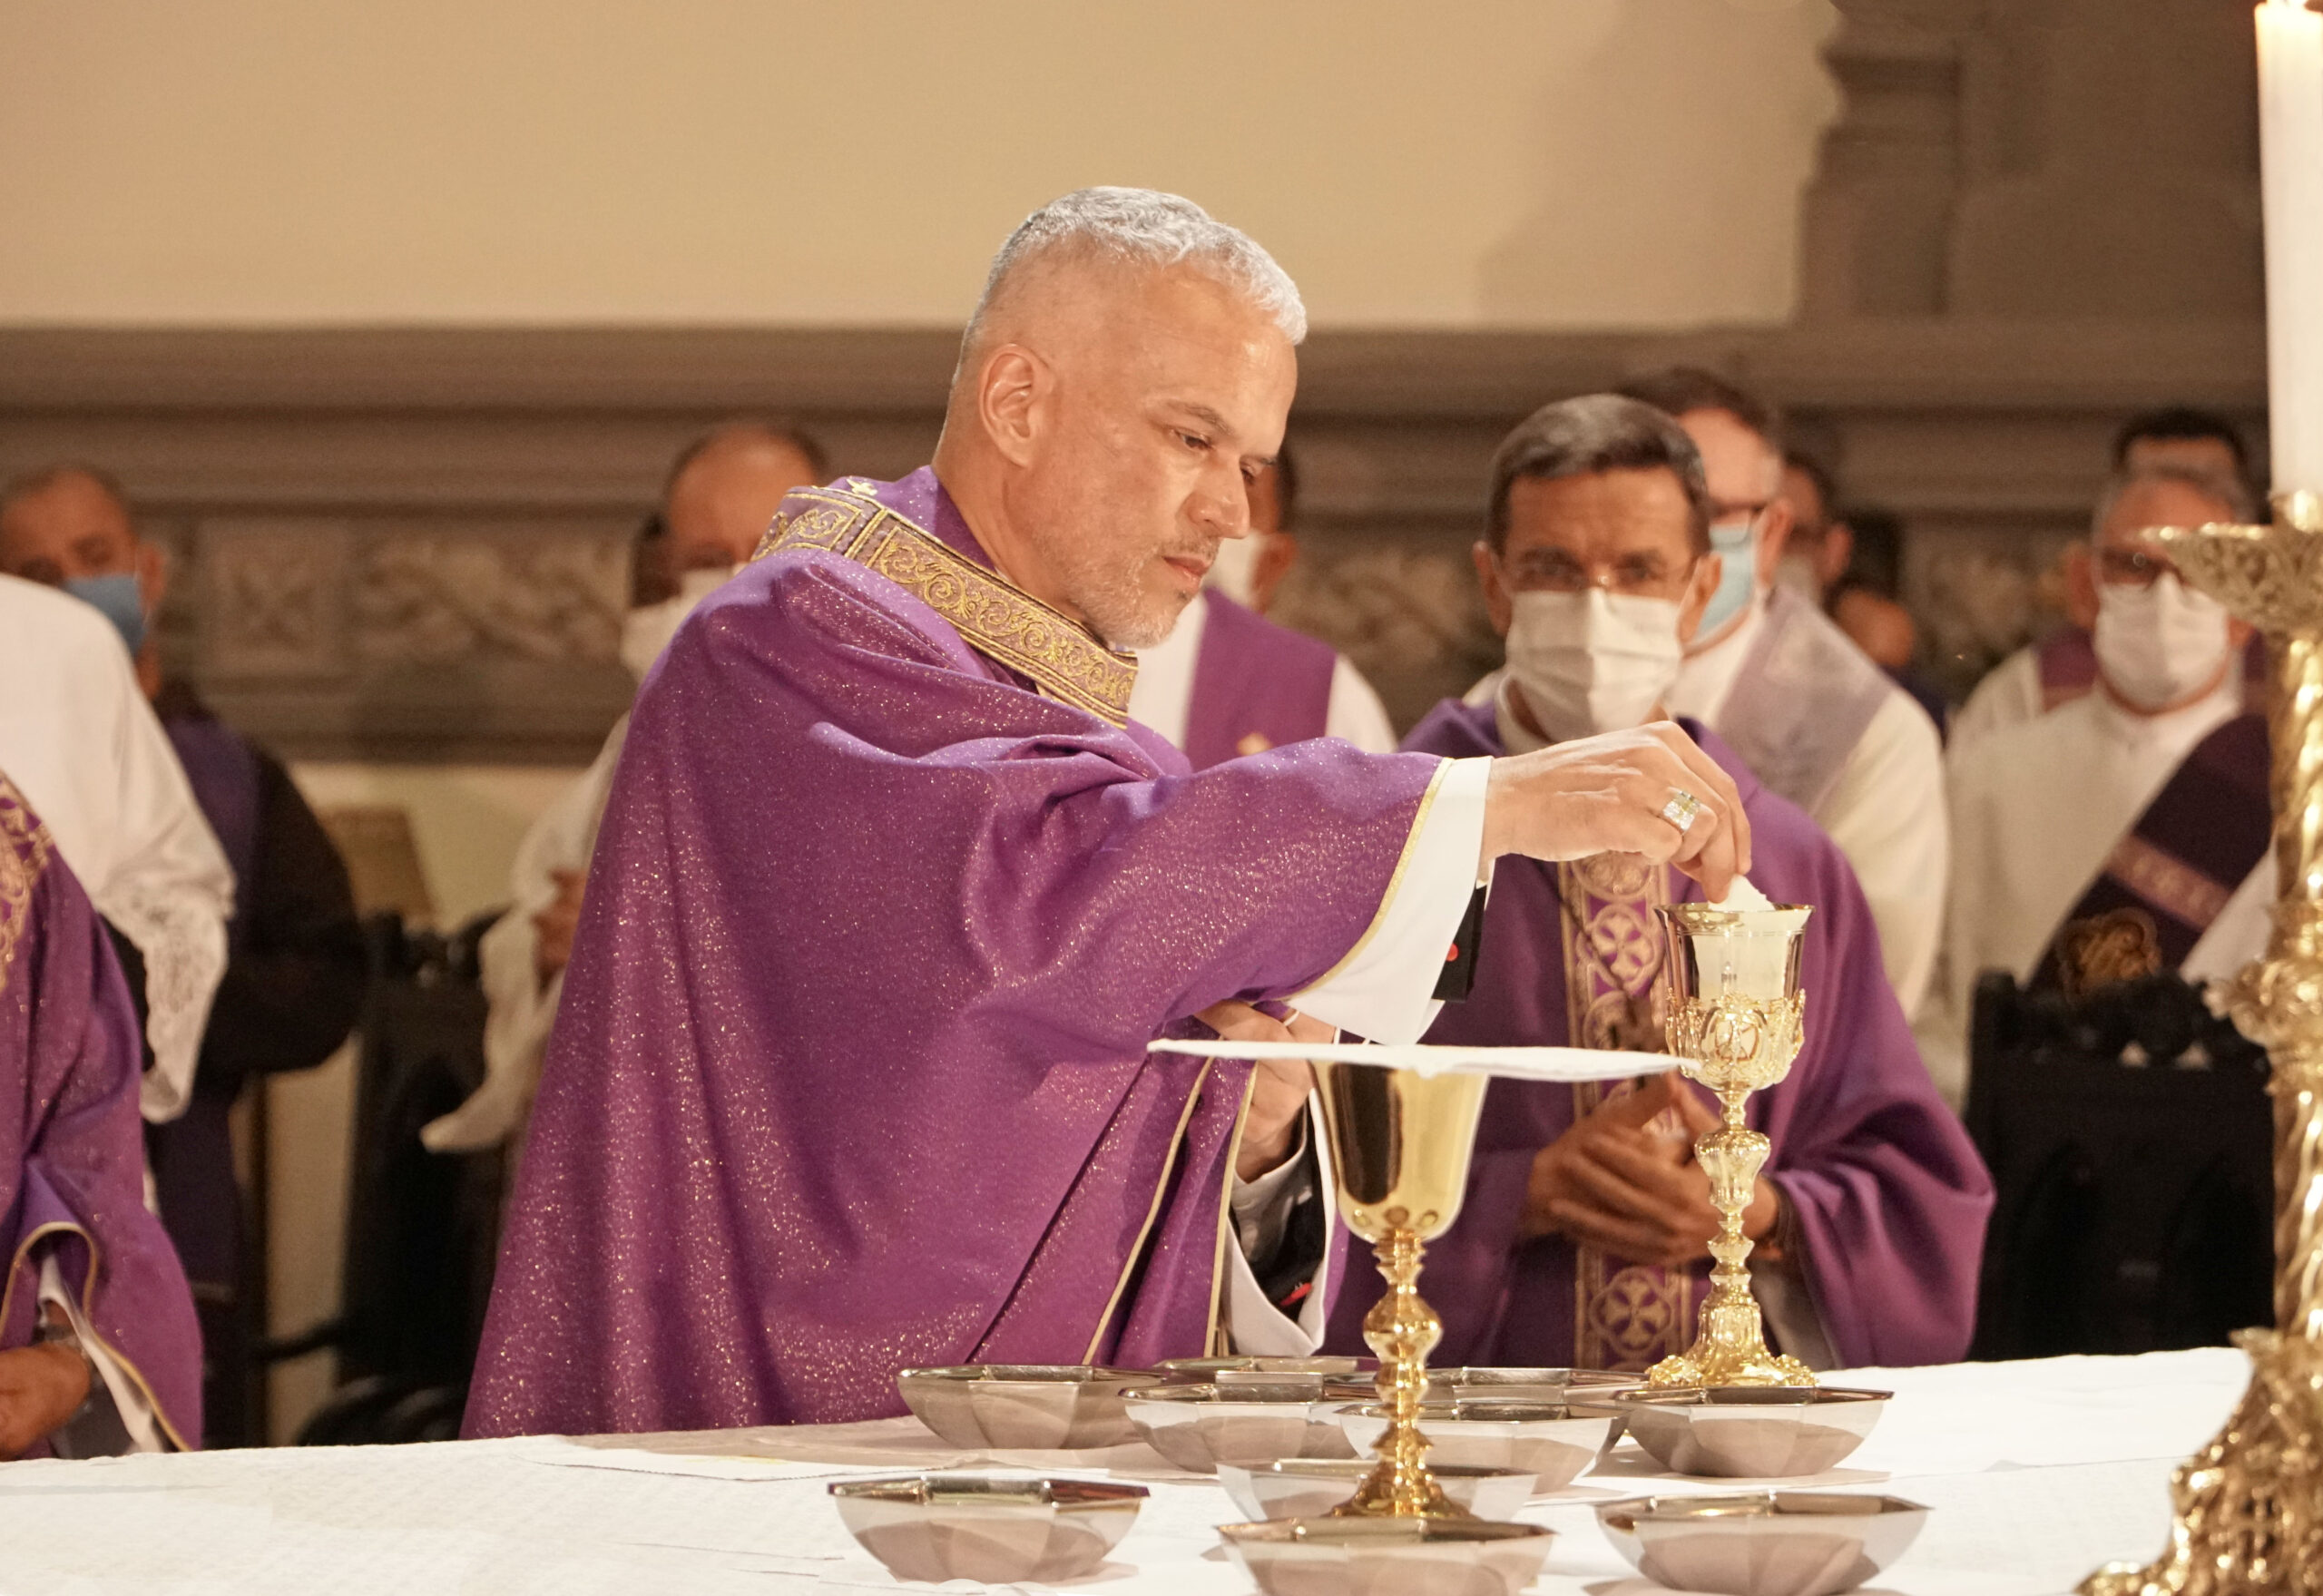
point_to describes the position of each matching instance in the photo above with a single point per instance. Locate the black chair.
(422, 1228)
(2130, 1136)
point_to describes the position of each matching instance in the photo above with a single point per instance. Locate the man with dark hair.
(1226, 681)
(294, 958)
(1817, 720)
(2198, 440)
(1816, 555)
(1583, 1239)
(720, 496)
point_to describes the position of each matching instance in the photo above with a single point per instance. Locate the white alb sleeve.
(129, 1397)
(1383, 989)
(1258, 1328)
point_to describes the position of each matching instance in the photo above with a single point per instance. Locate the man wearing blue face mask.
(293, 956)
(1817, 720)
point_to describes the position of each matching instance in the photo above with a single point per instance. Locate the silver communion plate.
(1388, 1557)
(938, 1527)
(1549, 1441)
(1319, 1372)
(1022, 1407)
(1752, 1432)
(1198, 1426)
(1766, 1543)
(1311, 1488)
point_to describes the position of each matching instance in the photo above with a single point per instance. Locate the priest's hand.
(1619, 1181)
(1278, 1087)
(1621, 792)
(555, 925)
(41, 1386)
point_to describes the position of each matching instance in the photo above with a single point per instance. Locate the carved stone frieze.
(547, 593)
(274, 596)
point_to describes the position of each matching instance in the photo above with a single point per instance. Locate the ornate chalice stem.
(1403, 1330)
(2248, 1506)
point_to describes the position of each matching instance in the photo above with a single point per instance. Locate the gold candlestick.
(2250, 1505)
(1401, 1141)
(1735, 1010)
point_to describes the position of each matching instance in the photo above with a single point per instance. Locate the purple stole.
(1256, 686)
(223, 771)
(1625, 1315)
(2067, 663)
(2172, 873)
(1801, 701)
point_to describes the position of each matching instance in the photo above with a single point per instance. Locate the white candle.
(2290, 145)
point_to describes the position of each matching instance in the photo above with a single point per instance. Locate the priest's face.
(1164, 395)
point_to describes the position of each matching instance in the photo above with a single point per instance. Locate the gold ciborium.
(1401, 1141)
(2250, 1505)
(1735, 1008)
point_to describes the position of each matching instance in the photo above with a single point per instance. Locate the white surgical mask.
(1234, 572)
(1592, 661)
(2157, 645)
(647, 629)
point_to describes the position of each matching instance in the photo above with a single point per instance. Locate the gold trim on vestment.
(1219, 1329)
(1394, 880)
(25, 849)
(1153, 1211)
(88, 1313)
(992, 615)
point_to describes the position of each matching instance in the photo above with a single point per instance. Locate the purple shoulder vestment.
(851, 1073)
(1886, 1194)
(72, 1152)
(1256, 686)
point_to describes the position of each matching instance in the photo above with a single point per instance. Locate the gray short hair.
(2230, 493)
(1594, 433)
(1145, 228)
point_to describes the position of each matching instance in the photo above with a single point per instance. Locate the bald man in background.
(720, 494)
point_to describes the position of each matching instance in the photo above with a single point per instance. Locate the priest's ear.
(1014, 393)
(1709, 570)
(1498, 605)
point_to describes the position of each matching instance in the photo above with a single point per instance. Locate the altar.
(2037, 1471)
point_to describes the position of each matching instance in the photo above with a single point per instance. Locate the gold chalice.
(1735, 1010)
(1400, 1141)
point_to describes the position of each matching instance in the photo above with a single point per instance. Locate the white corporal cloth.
(81, 744)
(2037, 1472)
(2037, 807)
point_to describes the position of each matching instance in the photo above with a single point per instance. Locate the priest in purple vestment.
(889, 899)
(1584, 1239)
(99, 1352)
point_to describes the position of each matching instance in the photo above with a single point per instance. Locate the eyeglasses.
(2131, 567)
(1640, 575)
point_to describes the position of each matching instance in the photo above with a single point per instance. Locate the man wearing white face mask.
(721, 495)
(2125, 831)
(1582, 1238)
(1226, 681)
(1818, 722)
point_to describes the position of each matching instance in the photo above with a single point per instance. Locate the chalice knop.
(1400, 1141)
(1735, 1010)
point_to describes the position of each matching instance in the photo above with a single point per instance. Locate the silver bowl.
(940, 1527)
(1022, 1407)
(1547, 1440)
(1387, 1556)
(1310, 1487)
(1260, 1371)
(1198, 1426)
(1767, 1544)
(1752, 1432)
(1501, 1385)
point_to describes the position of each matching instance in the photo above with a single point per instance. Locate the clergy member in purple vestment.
(889, 899)
(102, 1353)
(1583, 1238)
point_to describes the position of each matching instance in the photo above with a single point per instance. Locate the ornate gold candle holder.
(1400, 1141)
(2250, 1505)
(1735, 1010)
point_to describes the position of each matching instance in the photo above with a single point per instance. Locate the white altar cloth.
(2037, 1471)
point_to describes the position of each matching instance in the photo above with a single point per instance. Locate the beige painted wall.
(1534, 163)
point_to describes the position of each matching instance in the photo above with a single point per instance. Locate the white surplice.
(1163, 696)
(81, 743)
(1885, 811)
(2008, 695)
(2037, 809)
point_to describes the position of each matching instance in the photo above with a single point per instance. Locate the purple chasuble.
(72, 1148)
(1887, 1198)
(2173, 872)
(1256, 686)
(850, 1073)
